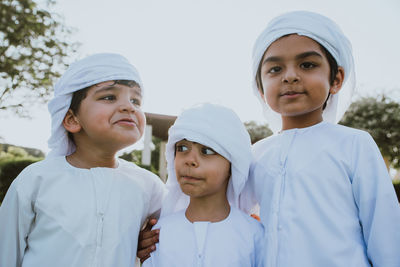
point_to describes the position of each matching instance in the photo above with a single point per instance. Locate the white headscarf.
(327, 33)
(81, 74)
(216, 127)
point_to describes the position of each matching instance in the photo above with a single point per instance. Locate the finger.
(148, 234)
(147, 239)
(150, 223)
(145, 253)
(142, 260)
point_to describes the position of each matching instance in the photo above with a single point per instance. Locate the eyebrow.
(112, 87)
(299, 56)
(105, 88)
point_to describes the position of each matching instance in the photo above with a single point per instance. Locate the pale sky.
(190, 51)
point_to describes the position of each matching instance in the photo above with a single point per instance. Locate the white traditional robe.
(236, 241)
(57, 215)
(326, 199)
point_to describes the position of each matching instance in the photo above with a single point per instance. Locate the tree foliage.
(135, 156)
(257, 131)
(12, 162)
(381, 118)
(33, 51)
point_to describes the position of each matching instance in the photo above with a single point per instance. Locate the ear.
(71, 122)
(337, 82)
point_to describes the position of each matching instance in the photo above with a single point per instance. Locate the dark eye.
(136, 102)
(207, 151)
(108, 97)
(180, 148)
(307, 65)
(274, 69)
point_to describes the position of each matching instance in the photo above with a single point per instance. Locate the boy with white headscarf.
(82, 206)
(325, 195)
(208, 155)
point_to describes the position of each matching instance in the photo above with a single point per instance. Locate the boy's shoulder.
(149, 181)
(46, 166)
(34, 174)
(261, 146)
(130, 167)
(334, 132)
(342, 133)
(326, 129)
(246, 219)
(59, 164)
(173, 220)
(339, 128)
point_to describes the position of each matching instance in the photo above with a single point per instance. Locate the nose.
(191, 159)
(290, 76)
(127, 106)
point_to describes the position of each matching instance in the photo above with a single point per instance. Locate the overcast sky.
(190, 51)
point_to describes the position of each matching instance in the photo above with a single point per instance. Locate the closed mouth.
(291, 93)
(190, 178)
(126, 121)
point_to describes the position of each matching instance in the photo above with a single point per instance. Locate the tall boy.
(325, 195)
(82, 206)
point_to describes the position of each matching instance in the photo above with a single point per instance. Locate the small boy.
(208, 155)
(82, 206)
(325, 195)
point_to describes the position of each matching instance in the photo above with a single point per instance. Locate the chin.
(189, 191)
(131, 139)
(122, 144)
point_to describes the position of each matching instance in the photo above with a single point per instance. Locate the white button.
(280, 227)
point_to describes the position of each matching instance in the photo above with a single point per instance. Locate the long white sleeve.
(379, 210)
(16, 217)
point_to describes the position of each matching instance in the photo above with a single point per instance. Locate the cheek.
(271, 98)
(223, 170)
(179, 164)
(142, 120)
(176, 166)
(321, 83)
(270, 87)
(100, 115)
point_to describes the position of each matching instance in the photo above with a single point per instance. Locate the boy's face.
(200, 171)
(110, 116)
(295, 77)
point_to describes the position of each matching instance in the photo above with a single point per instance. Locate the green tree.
(380, 117)
(12, 162)
(33, 51)
(257, 131)
(135, 156)
(16, 152)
